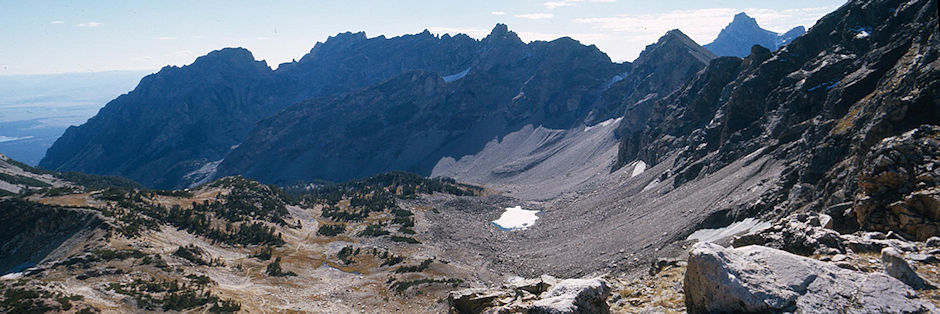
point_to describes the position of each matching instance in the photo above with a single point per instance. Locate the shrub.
(191, 253)
(374, 230)
(405, 240)
(415, 269)
(264, 254)
(274, 269)
(331, 230)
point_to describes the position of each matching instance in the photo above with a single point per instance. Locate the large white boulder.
(542, 295)
(574, 296)
(761, 279)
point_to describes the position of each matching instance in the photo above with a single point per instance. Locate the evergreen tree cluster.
(389, 185)
(234, 219)
(274, 269)
(173, 295)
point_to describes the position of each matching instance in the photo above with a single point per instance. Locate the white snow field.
(516, 218)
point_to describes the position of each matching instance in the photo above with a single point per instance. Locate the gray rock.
(825, 221)
(474, 300)
(897, 267)
(662, 263)
(865, 243)
(899, 188)
(574, 296)
(534, 286)
(540, 295)
(846, 265)
(799, 234)
(933, 242)
(924, 258)
(761, 279)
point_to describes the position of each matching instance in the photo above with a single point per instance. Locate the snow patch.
(827, 85)
(614, 80)
(602, 124)
(203, 174)
(454, 77)
(4, 139)
(12, 276)
(862, 32)
(748, 225)
(516, 218)
(638, 167)
(651, 185)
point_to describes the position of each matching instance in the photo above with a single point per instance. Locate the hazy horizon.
(117, 36)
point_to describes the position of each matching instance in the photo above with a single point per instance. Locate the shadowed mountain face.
(173, 121)
(182, 119)
(409, 101)
(737, 38)
(413, 121)
(656, 73)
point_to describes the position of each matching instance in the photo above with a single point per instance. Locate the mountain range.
(226, 113)
(807, 173)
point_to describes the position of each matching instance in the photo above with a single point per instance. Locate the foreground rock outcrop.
(896, 266)
(542, 295)
(900, 185)
(855, 84)
(761, 279)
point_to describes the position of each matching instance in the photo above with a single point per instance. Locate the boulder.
(897, 267)
(540, 295)
(473, 300)
(762, 279)
(874, 242)
(806, 234)
(574, 296)
(933, 242)
(803, 234)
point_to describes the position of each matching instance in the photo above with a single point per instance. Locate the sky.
(41, 37)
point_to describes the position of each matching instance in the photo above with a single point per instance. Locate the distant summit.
(737, 38)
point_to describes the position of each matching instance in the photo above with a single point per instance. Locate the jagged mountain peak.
(227, 57)
(743, 32)
(674, 41)
(743, 20)
(348, 36)
(744, 24)
(501, 33)
(675, 37)
(228, 52)
(499, 30)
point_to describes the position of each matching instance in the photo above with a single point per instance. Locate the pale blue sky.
(82, 36)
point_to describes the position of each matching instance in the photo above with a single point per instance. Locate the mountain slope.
(412, 121)
(743, 32)
(865, 72)
(660, 69)
(762, 137)
(174, 120)
(230, 245)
